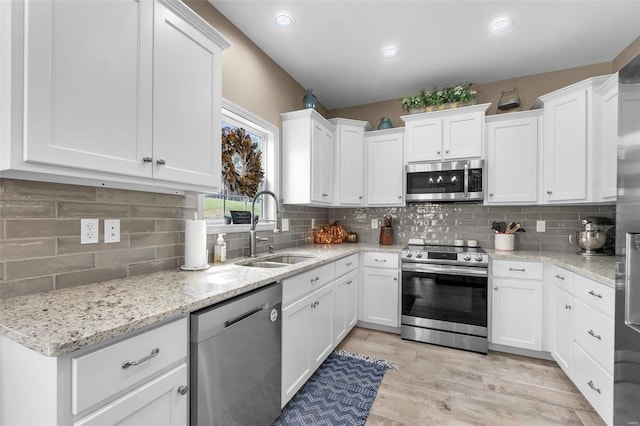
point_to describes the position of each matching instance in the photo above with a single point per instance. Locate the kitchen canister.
(309, 100)
(505, 242)
(385, 123)
(195, 245)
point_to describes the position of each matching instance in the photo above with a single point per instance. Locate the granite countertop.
(58, 322)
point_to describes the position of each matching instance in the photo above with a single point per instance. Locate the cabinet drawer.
(594, 294)
(304, 283)
(381, 260)
(346, 264)
(561, 278)
(594, 332)
(594, 383)
(102, 373)
(517, 269)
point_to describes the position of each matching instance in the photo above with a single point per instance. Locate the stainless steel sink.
(278, 261)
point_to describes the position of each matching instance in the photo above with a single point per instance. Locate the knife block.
(386, 236)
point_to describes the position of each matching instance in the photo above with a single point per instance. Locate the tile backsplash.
(444, 223)
(40, 246)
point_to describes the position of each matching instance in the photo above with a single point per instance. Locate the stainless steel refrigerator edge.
(627, 309)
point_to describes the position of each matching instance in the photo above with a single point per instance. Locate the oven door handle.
(446, 270)
(466, 180)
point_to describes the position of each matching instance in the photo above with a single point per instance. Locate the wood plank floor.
(442, 386)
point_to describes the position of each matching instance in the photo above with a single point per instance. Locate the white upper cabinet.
(445, 135)
(120, 93)
(607, 157)
(512, 157)
(570, 143)
(349, 162)
(384, 168)
(308, 158)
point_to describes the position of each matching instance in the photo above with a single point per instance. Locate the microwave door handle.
(466, 180)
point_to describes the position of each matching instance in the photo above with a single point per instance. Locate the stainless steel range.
(444, 295)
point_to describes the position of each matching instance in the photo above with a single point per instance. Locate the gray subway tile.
(156, 239)
(28, 208)
(68, 245)
(46, 266)
(163, 225)
(131, 226)
(170, 251)
(177, 200)
(23, 249)
(27, 286)
(154, 212)
(34, 228)
(124, 257)
(122, 196)
(92, 210)
(90, 276)
(153, 266)
(53, 191)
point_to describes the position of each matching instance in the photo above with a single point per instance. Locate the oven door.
(447, 298)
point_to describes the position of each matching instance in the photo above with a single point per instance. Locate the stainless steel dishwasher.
(236, 360)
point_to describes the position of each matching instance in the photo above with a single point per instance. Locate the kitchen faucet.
(253, 238)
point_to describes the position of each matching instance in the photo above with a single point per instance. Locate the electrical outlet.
(112, 230)
(285, 225)
(313, 223)
(541, 226)
(89, 232)
(374, 223)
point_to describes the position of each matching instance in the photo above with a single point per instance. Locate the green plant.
(458, 93)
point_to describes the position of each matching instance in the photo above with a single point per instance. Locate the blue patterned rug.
(340, 392)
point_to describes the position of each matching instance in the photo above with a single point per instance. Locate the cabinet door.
(351, 162)
(186, 102)
(322, 325)
(562, 329)
(380, 296)
(385, 170)
(87, 84)
(345, 306)
(352, 300)
(512, 161)
(609, 144)
(565, 148)
(423, 140)
(462, 135)
(296, 346)
(157, 402)
(321, 163)
(517, 313)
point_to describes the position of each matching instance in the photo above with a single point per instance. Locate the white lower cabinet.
(346, 305)
(381, 289)
(562, 330)
(516, 304)
(138, 380)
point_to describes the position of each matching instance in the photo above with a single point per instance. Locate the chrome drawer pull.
(147, 159)
(567, 307)
(349, 263)
(313, 280)
(153, 354)
(560, 277)
(594, 294)
(183, 389)
(161, 162)
(592, 386)
(349, 282)
(517, 269)
(380, 260)
(592, 334)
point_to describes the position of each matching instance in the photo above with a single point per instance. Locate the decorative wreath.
(241, 163)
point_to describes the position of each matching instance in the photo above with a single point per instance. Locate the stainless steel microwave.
(445, 181)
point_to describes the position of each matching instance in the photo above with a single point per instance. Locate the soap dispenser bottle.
(220, 250)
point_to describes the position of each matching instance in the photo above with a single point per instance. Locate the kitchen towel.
(195, 244)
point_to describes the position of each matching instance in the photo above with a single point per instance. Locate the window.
(214, 207)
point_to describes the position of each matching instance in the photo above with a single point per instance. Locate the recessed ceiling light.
(501, 24)
(284, 21)
(390, 52)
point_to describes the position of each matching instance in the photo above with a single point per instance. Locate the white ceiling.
(335, 46)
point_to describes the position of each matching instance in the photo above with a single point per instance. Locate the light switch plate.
(285, 225)
(374, 223)
(541, 226)
(89, 231)
(112, 230)
(313, 223)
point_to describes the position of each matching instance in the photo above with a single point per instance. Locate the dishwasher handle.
(244, 316)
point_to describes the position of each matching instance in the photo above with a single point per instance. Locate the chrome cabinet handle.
(560, 277)
(592, 334)
(592, 386)
(549, 192)
(395, 278)
(567, 307)
(495, 288)
(491, 194)
(160, 162)
(349, 282)
(594, 294)
(518, 269)
(399, 197)
(153, 354)
(313, 280)
(360, 197)
(183, 389)
(349, 263)
(147, 159)
(447, 151)
(380, 260)
(438, 152)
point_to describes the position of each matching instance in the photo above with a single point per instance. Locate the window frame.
(271, 157)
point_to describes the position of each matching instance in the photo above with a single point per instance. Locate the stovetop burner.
(443, 254)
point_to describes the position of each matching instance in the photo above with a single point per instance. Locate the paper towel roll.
(195, 244)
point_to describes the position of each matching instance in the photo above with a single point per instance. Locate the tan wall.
(250, 79)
